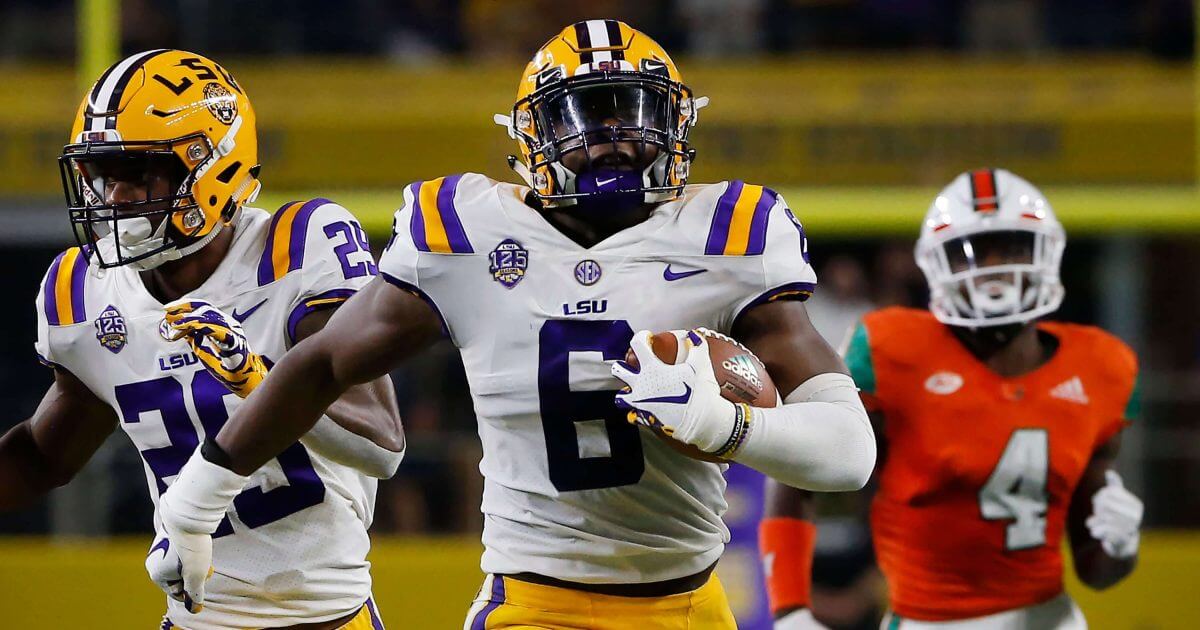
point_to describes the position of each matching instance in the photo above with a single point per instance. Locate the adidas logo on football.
(1071, 390)
(743, 366)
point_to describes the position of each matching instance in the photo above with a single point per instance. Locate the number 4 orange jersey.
(979, 470)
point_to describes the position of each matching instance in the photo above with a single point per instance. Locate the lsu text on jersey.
(573, 491)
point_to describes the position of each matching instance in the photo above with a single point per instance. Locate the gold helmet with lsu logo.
(602, 81)
(181, 127)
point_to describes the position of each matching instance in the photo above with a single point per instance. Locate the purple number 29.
(165, 395)
(356, 241)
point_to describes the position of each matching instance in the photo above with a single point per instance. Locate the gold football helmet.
(161, 111)
(601, 81)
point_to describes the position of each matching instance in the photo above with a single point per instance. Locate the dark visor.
(139, 168)
(624, 109)
(988, 249)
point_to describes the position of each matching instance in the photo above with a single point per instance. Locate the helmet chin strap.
(135, 238)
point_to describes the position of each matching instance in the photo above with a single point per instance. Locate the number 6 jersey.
(572, 490)
(980, 469)
(293, 547)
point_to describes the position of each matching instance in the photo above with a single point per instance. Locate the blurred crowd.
(424, 31)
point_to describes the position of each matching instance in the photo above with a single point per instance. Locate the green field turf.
(847, 212)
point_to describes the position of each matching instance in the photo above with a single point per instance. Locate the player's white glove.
(190, 511)
(218, 340)
(1116, 516)
(801, 619)
(162, 563)
(682, 400)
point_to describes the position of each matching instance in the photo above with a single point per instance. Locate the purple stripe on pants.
(455, 235)
(758, 222)
(497, 598)
(718, 234)
(376, 622)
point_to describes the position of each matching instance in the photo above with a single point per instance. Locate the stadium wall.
(428, 583)
(821, 121)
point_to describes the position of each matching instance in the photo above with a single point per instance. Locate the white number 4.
(1017, 489)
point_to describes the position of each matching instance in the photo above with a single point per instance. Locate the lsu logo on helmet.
(169, 112)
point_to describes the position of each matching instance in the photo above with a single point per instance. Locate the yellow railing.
(427, 583)
(859, 122)
(846, 211)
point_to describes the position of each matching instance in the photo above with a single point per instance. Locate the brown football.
(742, 377)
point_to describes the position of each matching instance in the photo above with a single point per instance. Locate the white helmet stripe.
(598, 33)
(106, 97)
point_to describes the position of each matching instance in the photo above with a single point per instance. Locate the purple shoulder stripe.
(718, 232)
(416, 223)
(49, 299)
(757, 242)
(78, 274)
(455, 234)
(266, 269)
(299, 233)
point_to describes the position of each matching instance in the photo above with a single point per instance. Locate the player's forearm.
(786, 540)
(363, 430)
(1096, 568)
(25, 474)
(282, 409)
(820, 439)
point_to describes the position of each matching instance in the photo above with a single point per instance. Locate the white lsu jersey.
(293, 547)
(572, 490)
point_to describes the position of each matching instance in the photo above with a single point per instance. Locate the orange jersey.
(979, 470)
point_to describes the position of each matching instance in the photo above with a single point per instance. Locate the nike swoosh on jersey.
(680, 399)
(671, 276)
(241, 317)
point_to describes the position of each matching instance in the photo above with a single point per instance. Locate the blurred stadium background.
(857, 110)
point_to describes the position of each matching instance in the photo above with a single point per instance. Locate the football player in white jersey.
(171, 311)
(590, 521)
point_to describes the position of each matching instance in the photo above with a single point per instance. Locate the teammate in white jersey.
(171, 311)
(590, 521)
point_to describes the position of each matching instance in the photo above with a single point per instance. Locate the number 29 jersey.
(572, 490)
(293, 547)
(978, 470)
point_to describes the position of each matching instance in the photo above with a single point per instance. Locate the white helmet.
(990, 248)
